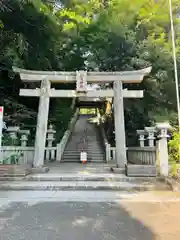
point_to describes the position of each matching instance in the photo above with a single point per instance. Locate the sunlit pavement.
(89, 215)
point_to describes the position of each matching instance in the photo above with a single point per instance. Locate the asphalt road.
(123, 220)
(70, 221)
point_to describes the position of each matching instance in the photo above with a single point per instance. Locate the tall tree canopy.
(109, 35)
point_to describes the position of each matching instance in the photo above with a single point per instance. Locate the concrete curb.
(82, 186)
(79, 188)
(72, 178)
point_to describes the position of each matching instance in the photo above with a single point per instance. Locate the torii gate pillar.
(120, 138)
(42, 121)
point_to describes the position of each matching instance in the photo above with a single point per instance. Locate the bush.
(174, 147)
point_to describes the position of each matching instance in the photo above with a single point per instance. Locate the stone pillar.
(119, 125)
(108, 153)
(24, 137)
(141, 134)
(13, 134)
(151, 131)
(163, 148)
(42, 120)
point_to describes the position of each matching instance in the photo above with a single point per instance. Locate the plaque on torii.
(81, 81)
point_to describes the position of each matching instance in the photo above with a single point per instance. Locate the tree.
(100, 35)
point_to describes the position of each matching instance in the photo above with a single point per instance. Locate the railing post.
(113, 153)
(163, 148)
(58, 152)
(106, 147)
(108, 152)
(141, 134)
(151, 131)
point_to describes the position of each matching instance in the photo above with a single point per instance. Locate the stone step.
(79, 151)
(95, 150)
(13, 176)
(82, 138)
(80, 185)
(88, 153)
(106, 177)
(77, 156)
(95, 145)
(78, 161)
(76, 145)
(89, 156)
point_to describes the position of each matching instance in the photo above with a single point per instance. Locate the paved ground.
(78, 168)
(55, 215)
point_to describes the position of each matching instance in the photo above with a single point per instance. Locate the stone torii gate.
(82, 78)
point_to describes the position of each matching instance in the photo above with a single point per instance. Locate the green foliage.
(13, 159)
(7, 141)
(87, 111)
(173, 170)
(100, 35)
(60, 116)
(163, 115)
(174, 147)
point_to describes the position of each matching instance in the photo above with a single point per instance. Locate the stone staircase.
(82, 182)
(85, 137)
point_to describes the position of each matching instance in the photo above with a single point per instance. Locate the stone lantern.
(151, 131)
(141, 134)
(24, 137)
(50, 153)
(50, 135)
(13, 134)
